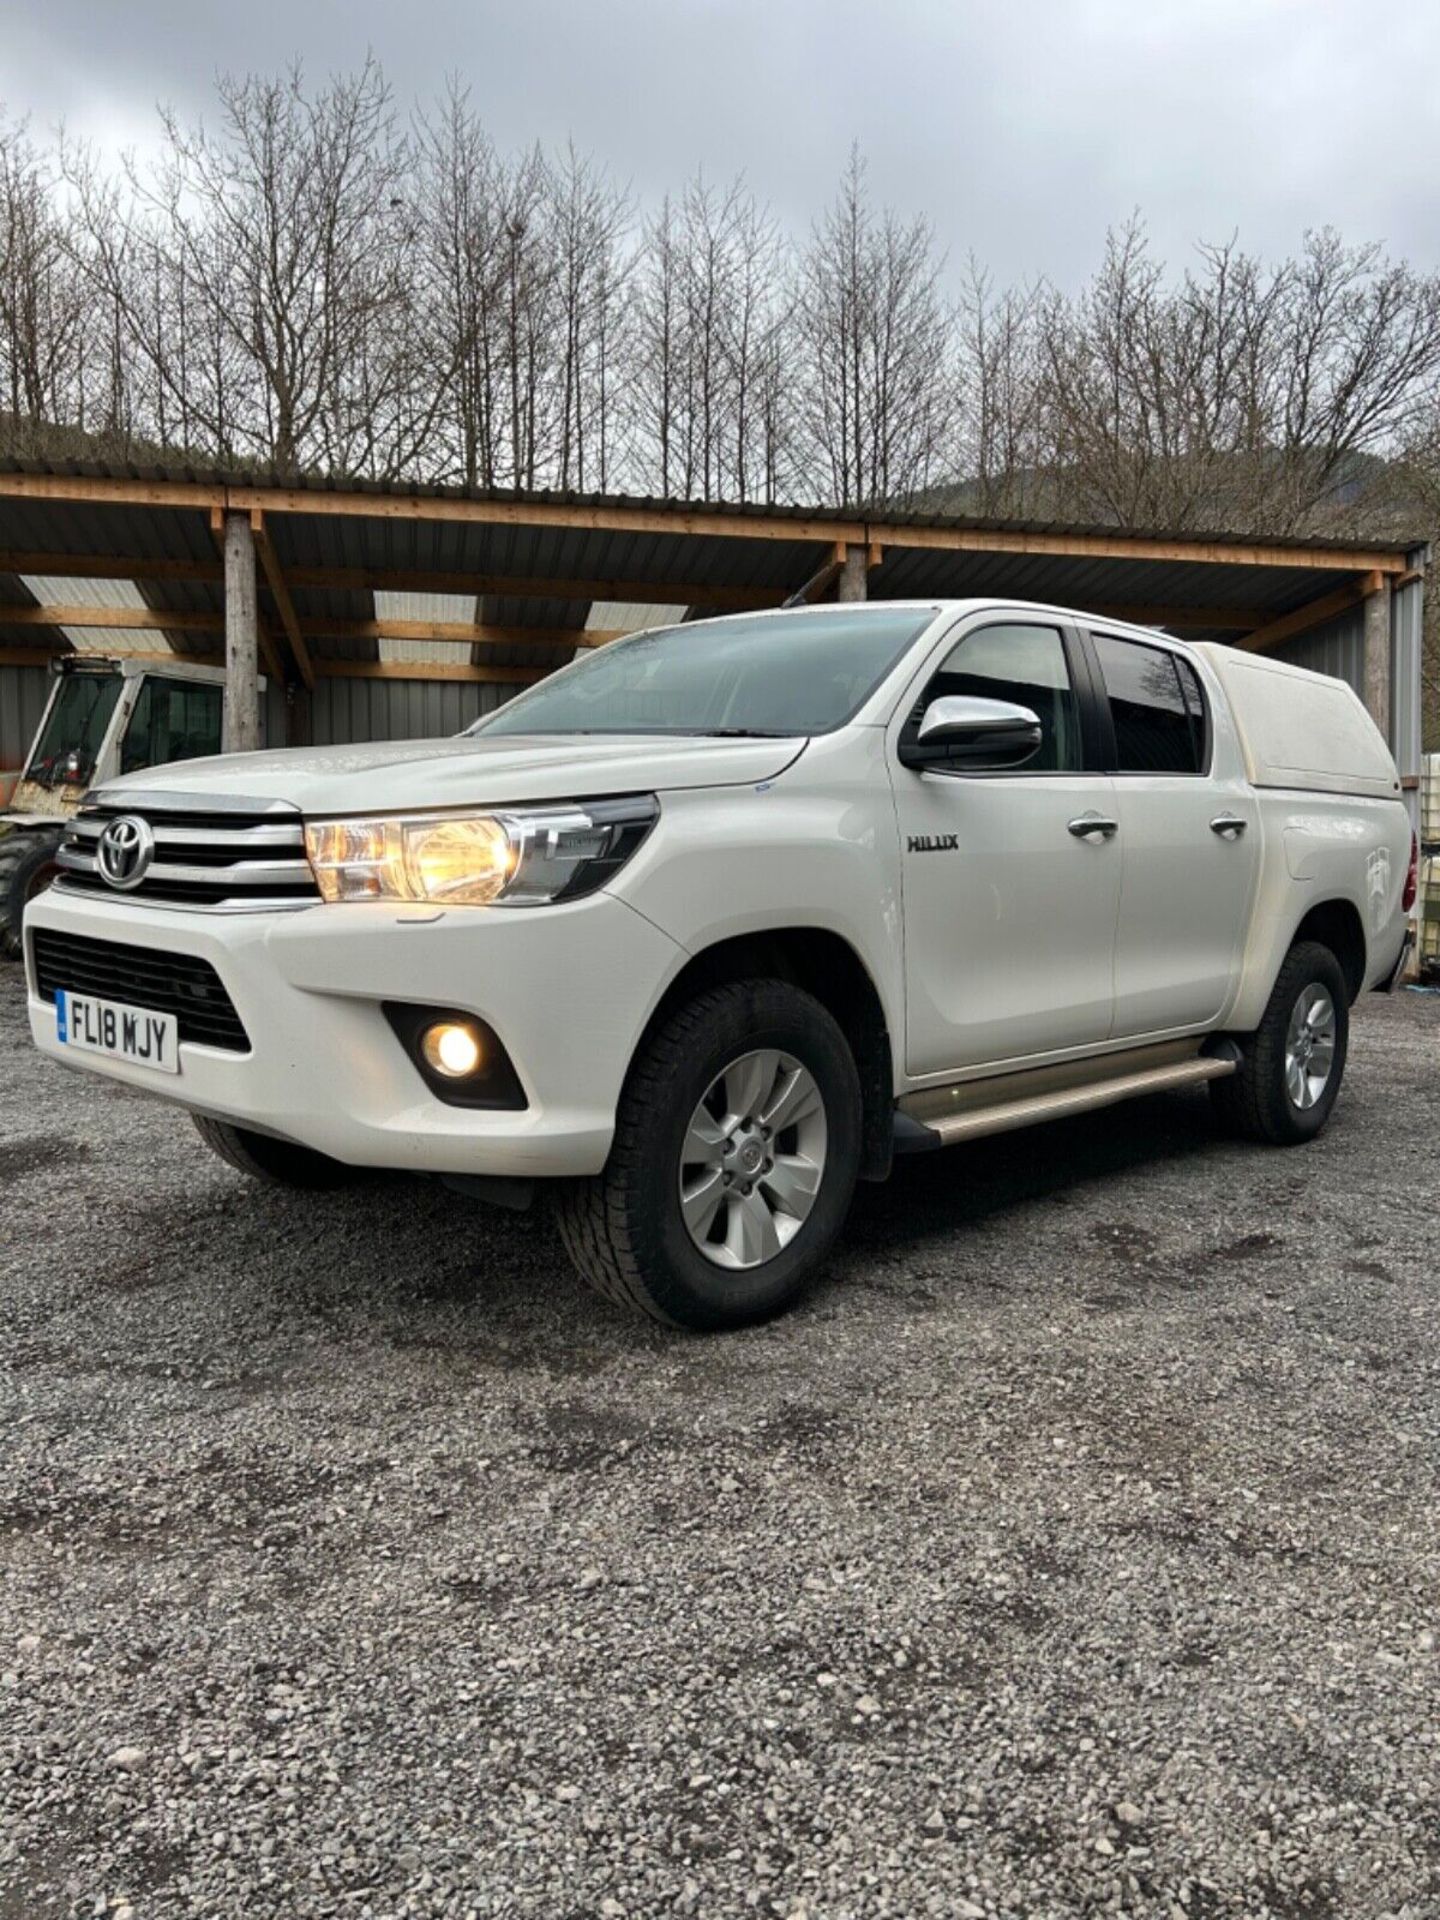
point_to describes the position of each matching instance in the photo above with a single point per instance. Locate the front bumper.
(567, 988)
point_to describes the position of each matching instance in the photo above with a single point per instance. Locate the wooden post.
(852, 585)
(242, 639)
(1377, 650)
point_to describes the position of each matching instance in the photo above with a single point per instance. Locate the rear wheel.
(27, 866)
(737, 1146)
(1291, 1066)
(278, 1162)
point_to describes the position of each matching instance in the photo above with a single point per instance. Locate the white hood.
(404, 775)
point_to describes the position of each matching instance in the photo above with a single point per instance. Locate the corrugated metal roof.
(675, 551)
(631, 616)
(454, 608)
(55, 591)
(877, 515)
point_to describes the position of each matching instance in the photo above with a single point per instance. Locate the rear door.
(1010, 896)
(1189, 839)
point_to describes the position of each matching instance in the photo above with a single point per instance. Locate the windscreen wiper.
(743, 733)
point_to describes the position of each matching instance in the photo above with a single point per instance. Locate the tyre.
(737, 1146)
(278, 1162)
(1292, 1065)
(27, 866)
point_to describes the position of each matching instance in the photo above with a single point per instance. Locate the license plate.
(123, 1033)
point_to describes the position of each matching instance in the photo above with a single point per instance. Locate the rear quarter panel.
(1320, 847)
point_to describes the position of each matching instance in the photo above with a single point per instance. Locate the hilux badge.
(933, 843)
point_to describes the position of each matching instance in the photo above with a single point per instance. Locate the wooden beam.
(280, 593)
(325, 669)
(460, 632)
(148, 617)
(1303, 618)
(1137, 546)
(824, 577)
(240, 722)
(457, 632)
(31, 656)
(269, 652)
(427, 670)
(699, 522)
(852, 581)
(529, 586)
(119, 491)
(109, 566)
(404, 580)
(1377, 650)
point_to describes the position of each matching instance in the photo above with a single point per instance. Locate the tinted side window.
(1155, 731)
(173, 720)
(1026, 665)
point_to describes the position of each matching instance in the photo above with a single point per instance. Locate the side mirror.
(962, 730)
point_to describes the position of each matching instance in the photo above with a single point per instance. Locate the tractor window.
(74, 732)
(173, 720)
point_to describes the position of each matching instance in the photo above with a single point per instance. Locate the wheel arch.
(1336, 924)
(826, 965)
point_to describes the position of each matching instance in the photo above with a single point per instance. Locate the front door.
(1189, 839)
(1010, 897)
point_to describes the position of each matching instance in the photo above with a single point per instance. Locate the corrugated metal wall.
(342, 711)
(23, 693)
(1338, 648)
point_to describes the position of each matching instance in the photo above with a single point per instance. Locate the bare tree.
(259, 273)
(875, 345)
(43, 311)
(711, 312)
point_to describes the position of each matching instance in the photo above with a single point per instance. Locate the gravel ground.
(1073, 1551)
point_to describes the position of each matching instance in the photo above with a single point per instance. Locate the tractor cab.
(103, 718)
(108, 717)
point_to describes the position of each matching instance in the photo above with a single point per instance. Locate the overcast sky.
(1022, 127)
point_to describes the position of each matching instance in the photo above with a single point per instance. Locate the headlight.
(513, 857)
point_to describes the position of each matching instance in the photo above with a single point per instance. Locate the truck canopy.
(1302, 729)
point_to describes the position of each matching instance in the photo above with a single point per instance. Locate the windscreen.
(794, 673)
(75, 726)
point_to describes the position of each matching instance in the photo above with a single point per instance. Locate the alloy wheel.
(752, 1159)
(1310, 1047)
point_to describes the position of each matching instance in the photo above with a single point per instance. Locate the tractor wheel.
(27, 866)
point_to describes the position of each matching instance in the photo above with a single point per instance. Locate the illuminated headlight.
(513, 857)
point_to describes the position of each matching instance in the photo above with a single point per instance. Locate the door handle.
(1228, 825)
(1094, 823)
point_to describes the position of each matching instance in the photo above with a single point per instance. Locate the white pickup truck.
(719, 919)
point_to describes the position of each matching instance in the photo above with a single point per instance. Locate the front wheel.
(736, 1151)
(1291, 1066)
(277, 1162)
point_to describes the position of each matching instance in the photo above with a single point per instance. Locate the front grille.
(217, 853)
(175, 983)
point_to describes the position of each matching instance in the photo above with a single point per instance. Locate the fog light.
(450, 1049)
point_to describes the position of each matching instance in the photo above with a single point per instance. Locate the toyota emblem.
(127, 846)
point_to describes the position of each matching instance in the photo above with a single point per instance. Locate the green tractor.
(103, 718)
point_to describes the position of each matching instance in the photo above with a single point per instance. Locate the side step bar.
(923, 1123)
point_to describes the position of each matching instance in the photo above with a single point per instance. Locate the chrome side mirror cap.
(964, 730)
